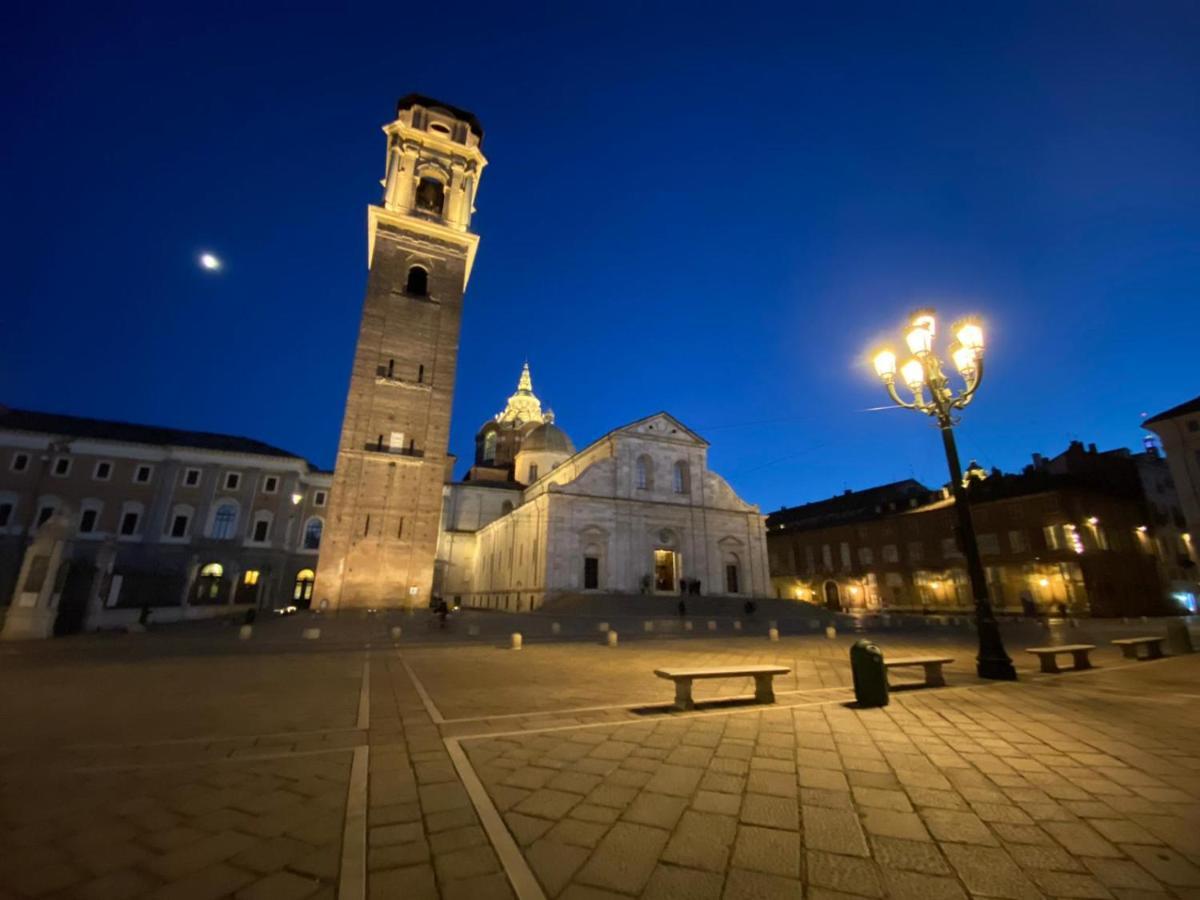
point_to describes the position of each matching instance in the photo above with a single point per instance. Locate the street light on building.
(934, 395)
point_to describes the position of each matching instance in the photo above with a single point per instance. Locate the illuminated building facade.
(99, 519)
(382, 534)
(1075, 532)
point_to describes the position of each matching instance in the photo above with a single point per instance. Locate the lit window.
(251, 577)
(1050, 532)
(103, 471)
(224, 522)
(212, 570)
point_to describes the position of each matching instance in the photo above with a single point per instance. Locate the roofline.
(1179, 409)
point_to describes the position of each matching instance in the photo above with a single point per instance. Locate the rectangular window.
(43, 516)
(5, 514)
(232, 480)
(103, 470)
(20, 462)
(731, 578)
(1018, 541)
(141, 475)
(62, 466)
(179, 526)
(270, 484)
(989, 544)
(1050, 533)
(827, 557)
(261, 527)
(916, 551)
(251, 577)
(845, 548)
(591, 573)
(950, 548)
(319, 498)
(191, 477)
(891, 553)
(87, 521)
(129, 523)
(865, 556)
(533, 470)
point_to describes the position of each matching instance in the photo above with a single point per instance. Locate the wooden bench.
(931, 664)
(1131, 646)
(1048, 656)
(764, 692)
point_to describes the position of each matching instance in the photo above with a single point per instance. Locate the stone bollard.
(310, 634)
(737, 624)
(612, 639)
(396, 632)
(517, 640)
(245, 632)
(773, 634)
(712, 625)
(687, 626)
(473, 630)
(555, 628)
(830, 632)
(647, 626)
(602, 627)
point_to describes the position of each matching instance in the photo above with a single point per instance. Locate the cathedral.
(636, 511)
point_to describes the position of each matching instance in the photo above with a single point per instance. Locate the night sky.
(716, 211)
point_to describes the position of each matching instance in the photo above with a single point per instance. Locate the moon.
(210, 262)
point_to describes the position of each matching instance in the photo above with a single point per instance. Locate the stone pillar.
(39, 584)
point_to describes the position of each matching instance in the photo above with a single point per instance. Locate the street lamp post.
(934, 396)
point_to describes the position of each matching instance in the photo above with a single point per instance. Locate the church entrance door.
(666, 571)
(832, 598)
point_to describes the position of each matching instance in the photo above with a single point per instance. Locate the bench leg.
(1082, 660)
(683, 694)
(934, 676)
(1154, 651)
(1049, 663)
(764, 691)
(1129, 651)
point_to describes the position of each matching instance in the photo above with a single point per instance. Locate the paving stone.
(395, 834)
(625, 858)
(577, 833)
(548, 804)
(915, 856)
(903, 885)
(770, 812)
(1121, 873)
(767, 850)
(1165, 864)
(890, 823)
(990, 872)
(714, 802)
(658, 810)
(465, 863)
(674, 882)
(280, 886)
(742, 884)
(1044, 856)
(834, 830)
(1080, 839)
(881, 799)
(457, 839)
(199, 854)
(554, 864)
(216, 881)
(398, 855)
(677, 781)
(1069, 884)
(116, 885)
(951, 825)
(701, 841)
(848, 874)
(411, 883)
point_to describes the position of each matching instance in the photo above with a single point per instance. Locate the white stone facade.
(637, 511)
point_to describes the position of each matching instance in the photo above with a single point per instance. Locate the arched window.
(208, 585)
(312, 534)
(224, 522)
(682, 479)
(431, 196)
(489, 447)
(302, 589)
(644, 473)
(212, 570)
(418, 282)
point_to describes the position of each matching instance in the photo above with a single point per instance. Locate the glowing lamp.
(964, 359)
(1141, 529)
(919, 339)
(1044, 582)
(969, 334)
(914, 374)
(1092, 520)
(296, 498)
(885, 364)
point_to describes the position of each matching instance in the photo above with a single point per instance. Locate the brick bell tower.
(381, 535)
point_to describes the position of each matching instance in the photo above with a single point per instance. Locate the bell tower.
(380, 539)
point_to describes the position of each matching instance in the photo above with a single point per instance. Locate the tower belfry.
(380, 541)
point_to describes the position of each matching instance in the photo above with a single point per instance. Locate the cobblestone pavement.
(188, 764)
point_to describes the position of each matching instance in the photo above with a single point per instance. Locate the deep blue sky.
(710, 210)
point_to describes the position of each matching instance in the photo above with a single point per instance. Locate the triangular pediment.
(663, 425)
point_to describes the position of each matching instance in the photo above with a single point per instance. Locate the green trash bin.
(870, 676)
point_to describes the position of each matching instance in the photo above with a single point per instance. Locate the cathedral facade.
(637, 511)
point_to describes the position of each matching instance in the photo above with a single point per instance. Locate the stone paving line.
(374, 797)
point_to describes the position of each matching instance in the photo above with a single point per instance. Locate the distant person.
(144, 615)
(441, 610)
(749, 607)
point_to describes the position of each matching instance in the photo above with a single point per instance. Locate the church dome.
(549, 438)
